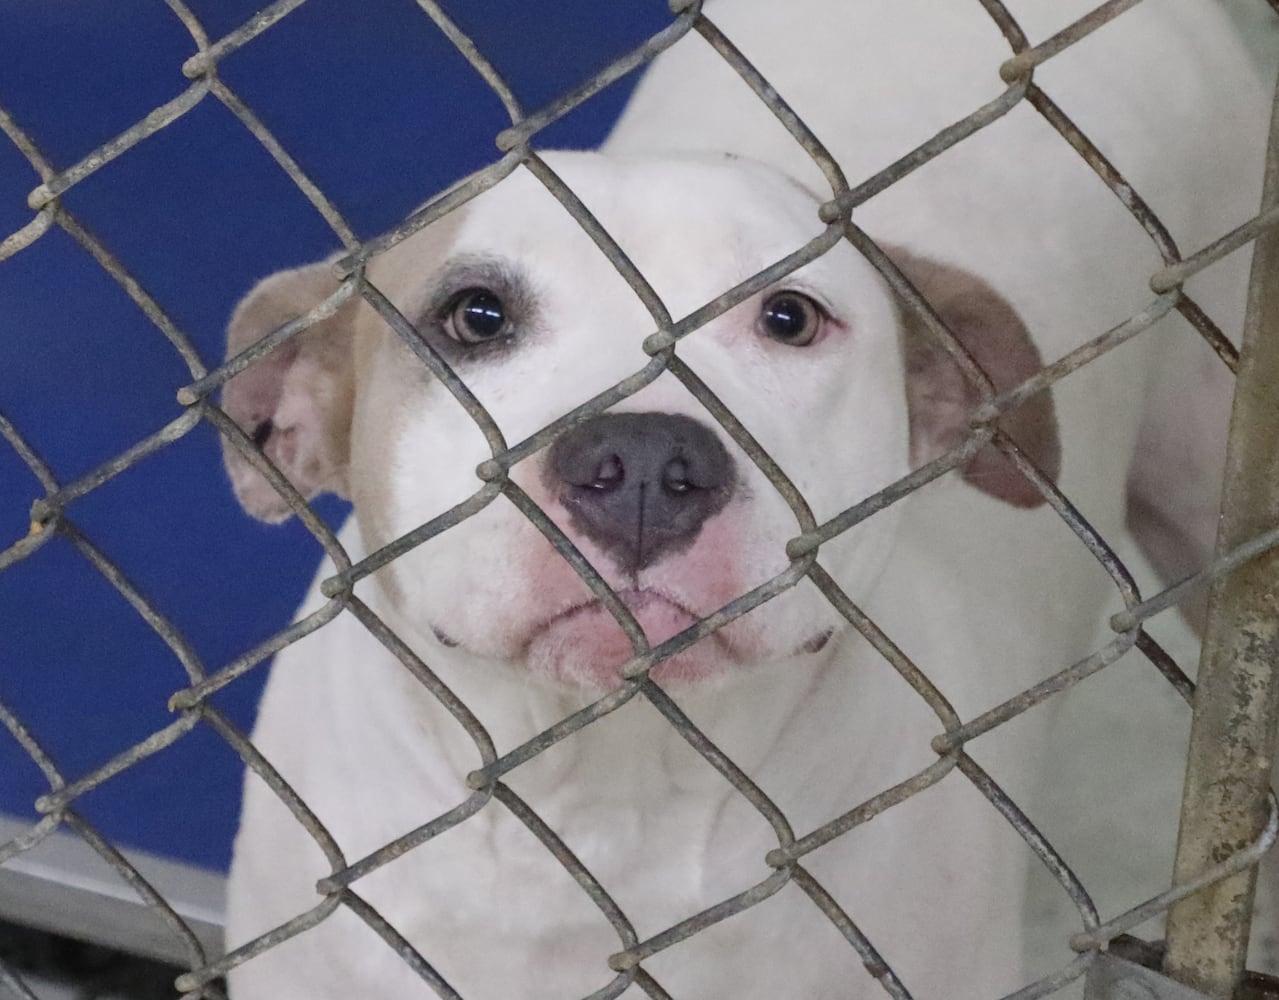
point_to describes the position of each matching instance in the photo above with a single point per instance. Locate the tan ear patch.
(295, 403)
(941, 400)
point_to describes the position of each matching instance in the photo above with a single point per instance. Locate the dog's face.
(675, 517)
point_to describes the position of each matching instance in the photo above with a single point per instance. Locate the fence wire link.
(50, 514)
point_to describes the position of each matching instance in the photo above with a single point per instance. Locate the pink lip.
(635, 600)
(585, 645)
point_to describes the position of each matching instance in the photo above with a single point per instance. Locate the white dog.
(1022, 252)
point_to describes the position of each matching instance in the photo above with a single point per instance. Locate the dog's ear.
(941, 400)
(295, 403)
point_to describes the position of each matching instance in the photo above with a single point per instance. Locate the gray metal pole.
(1232, 738)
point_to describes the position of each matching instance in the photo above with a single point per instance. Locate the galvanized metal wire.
(52, 513)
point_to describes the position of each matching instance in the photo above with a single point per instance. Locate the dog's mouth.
(584, 645)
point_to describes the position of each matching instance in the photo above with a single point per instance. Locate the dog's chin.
(585, 647)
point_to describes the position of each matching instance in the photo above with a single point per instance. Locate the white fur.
(985, 598)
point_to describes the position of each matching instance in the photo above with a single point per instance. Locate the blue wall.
(381, 112)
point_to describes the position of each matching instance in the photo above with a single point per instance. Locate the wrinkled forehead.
(693, 227)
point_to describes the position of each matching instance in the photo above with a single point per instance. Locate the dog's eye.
(477, 316)
(790, 318)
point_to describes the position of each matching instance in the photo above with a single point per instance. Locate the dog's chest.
(489, 902)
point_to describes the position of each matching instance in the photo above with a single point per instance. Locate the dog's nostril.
(610, 474)
(675, 477)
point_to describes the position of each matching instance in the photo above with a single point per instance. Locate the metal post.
(1232, 739)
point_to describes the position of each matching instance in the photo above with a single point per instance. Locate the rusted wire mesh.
(51, 515)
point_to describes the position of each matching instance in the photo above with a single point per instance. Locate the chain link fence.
(192, 706)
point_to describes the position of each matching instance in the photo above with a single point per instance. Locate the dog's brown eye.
(477, 316)
(790, 318)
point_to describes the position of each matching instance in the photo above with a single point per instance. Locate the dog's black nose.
(640, 485)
